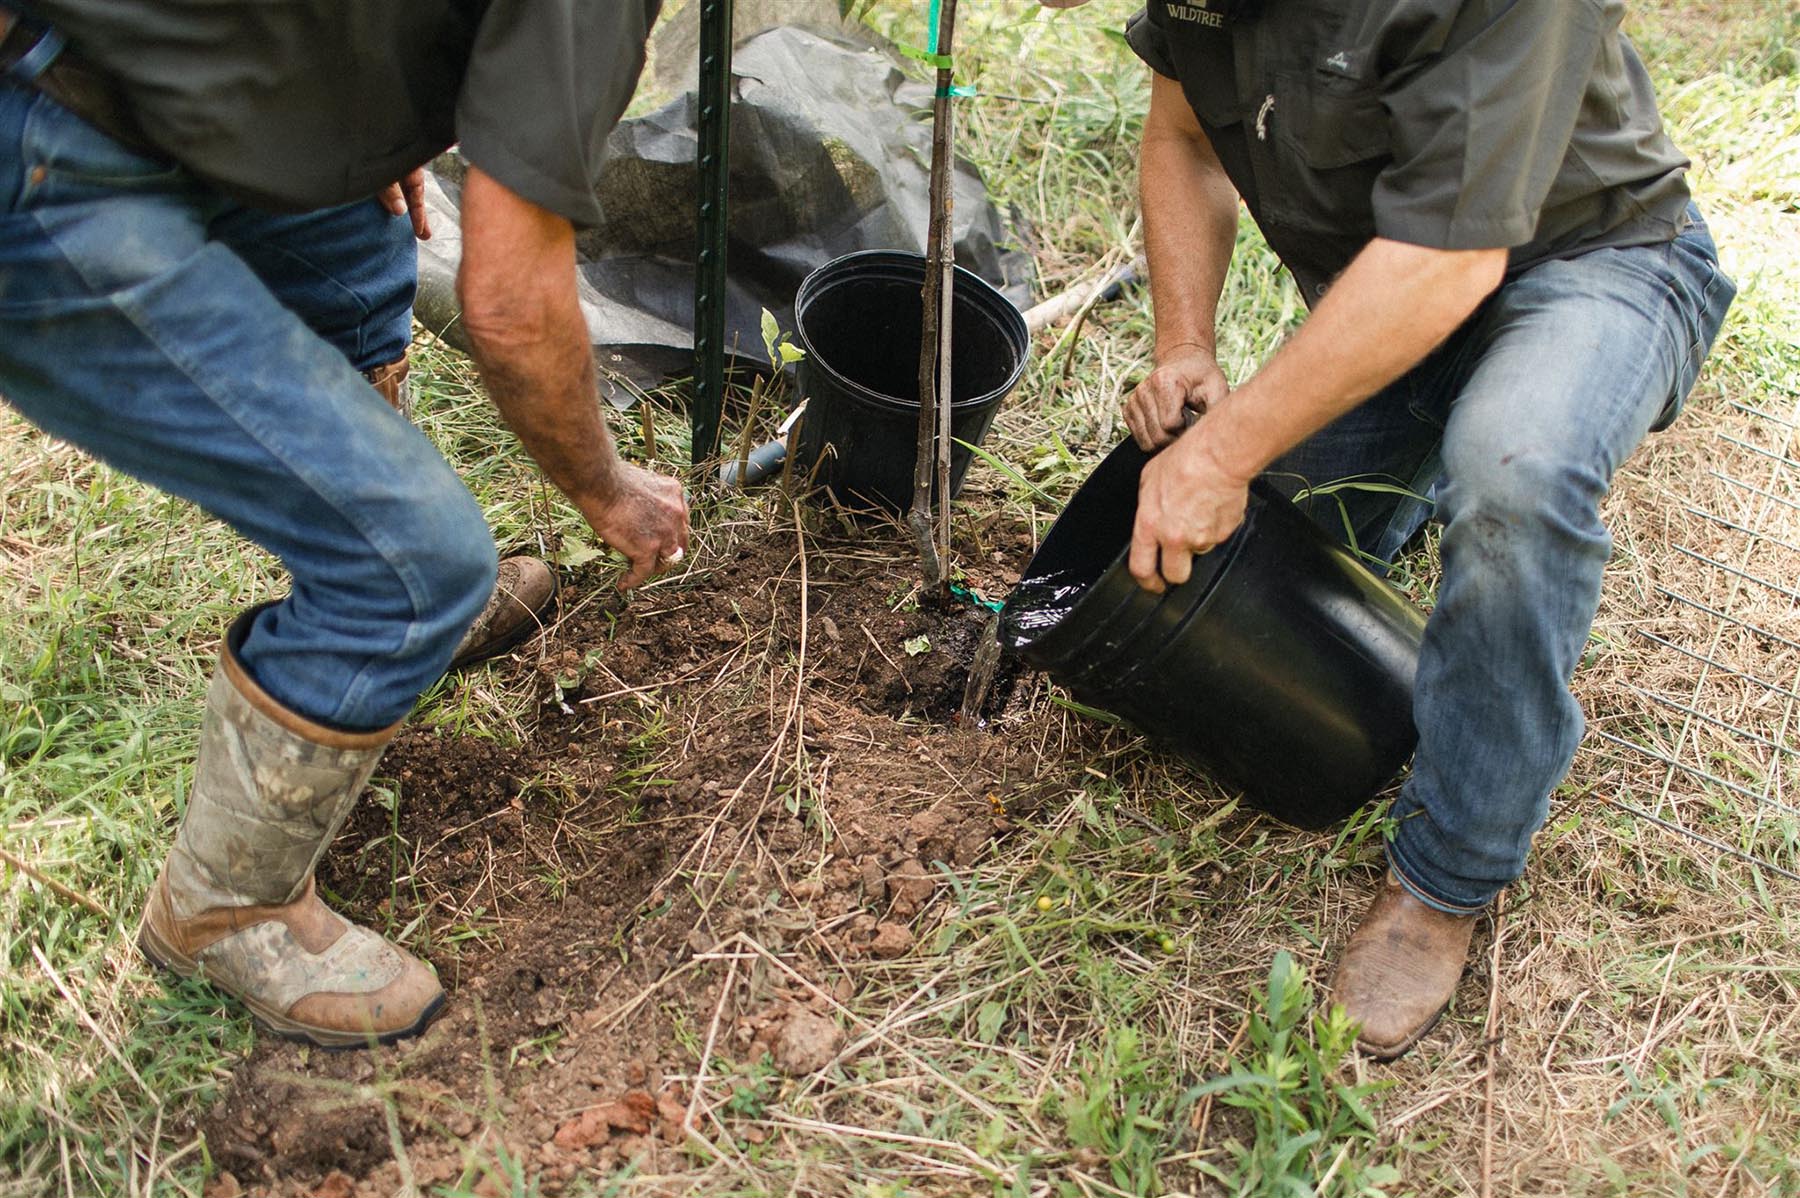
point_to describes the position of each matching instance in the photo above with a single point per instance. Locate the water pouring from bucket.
(1283, 666)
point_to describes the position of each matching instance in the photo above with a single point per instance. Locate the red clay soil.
(684, 789)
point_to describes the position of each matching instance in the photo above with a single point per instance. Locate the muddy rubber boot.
(1400, 969)
(526, 588)
(235, 903)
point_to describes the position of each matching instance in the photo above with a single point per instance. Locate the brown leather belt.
(33, 55)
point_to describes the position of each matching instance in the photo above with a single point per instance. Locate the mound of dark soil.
(716, 775)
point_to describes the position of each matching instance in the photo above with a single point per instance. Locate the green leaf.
(988, 1021)
(991, 1138)
(917, 645)
(771, 334)
(1092, 713)
(576, 552)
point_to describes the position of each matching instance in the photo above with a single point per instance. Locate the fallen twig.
(60, 889)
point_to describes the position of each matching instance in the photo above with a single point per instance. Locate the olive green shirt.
(1526, 125)
(300, 104)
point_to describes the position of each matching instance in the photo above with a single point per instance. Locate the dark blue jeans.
(214, 352)
(1510, 433)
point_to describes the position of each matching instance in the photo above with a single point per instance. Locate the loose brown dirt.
(668, 875)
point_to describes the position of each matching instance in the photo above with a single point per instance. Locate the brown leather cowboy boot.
(1399, 970)
(235, 902)
(526, 588)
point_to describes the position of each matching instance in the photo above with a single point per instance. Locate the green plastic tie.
(971, 596)
(931, 57)
(941, 61)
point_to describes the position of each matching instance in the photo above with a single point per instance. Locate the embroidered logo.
(1339, 61)
(1197, 12)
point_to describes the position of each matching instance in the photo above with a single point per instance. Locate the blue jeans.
(1512, 430)
(214, 352)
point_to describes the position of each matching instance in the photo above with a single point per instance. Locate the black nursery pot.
(859, 318)
(1283, 666)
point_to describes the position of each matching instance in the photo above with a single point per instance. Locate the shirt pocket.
(1327, 141)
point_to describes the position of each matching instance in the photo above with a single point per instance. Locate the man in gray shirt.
(195, 277)
(1508, 288)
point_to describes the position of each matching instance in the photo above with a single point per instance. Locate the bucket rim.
(987, 298)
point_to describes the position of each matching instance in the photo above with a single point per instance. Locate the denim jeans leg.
(349, 272)
(127, 331)
(1366, 477)
(1574, 362)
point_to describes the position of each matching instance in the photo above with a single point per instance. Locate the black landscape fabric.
(830, 154)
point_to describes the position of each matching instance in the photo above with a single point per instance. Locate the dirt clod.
(634, 1113)
(891, 940)
(337, 1184)
(909, 886)
(806, 1043)
(225, 1185)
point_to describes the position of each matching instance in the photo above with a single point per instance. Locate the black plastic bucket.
(1283, 666)
(858, 318)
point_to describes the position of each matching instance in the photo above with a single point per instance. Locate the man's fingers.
(1134, 421)
(414, 187)
(1143, 563)
(391, 198)
(1177, 563)
(642, 567)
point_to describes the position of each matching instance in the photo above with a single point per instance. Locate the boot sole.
(518, 636)
(163, 957)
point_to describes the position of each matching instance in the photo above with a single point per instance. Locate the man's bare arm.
(1190, 228)
(517, 288)
(1391, 307)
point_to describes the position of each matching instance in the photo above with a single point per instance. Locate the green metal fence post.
(712, 161)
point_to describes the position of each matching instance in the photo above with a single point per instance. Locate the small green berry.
(1045, 902)
(1167, 944)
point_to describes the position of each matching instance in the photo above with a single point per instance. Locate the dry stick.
(67, 892)
(745, 939)
(1493, 1043)
(934, 330)
(712, 1036)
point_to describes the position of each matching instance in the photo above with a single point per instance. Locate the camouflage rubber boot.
(526, 589)
(235, 902)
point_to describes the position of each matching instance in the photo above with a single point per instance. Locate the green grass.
(1165, 990)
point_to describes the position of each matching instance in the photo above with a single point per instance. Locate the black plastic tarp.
(830, 154)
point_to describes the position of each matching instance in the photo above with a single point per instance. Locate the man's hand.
(1190, 499)
(1187, 381)
(645, 518)
(407, 198)
(517, 286)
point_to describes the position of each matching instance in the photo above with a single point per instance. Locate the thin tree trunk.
(934, 338)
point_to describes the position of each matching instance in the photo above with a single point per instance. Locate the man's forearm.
(517, 287)
(1391, 307)
(1190, 222)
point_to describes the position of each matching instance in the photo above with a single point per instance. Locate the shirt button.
(1319, 290)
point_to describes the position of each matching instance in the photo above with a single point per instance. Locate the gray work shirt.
(1526, 125)
(300, 104)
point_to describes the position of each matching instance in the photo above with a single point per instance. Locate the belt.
(37, 56)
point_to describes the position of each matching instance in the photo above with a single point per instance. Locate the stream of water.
(1040, 603)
